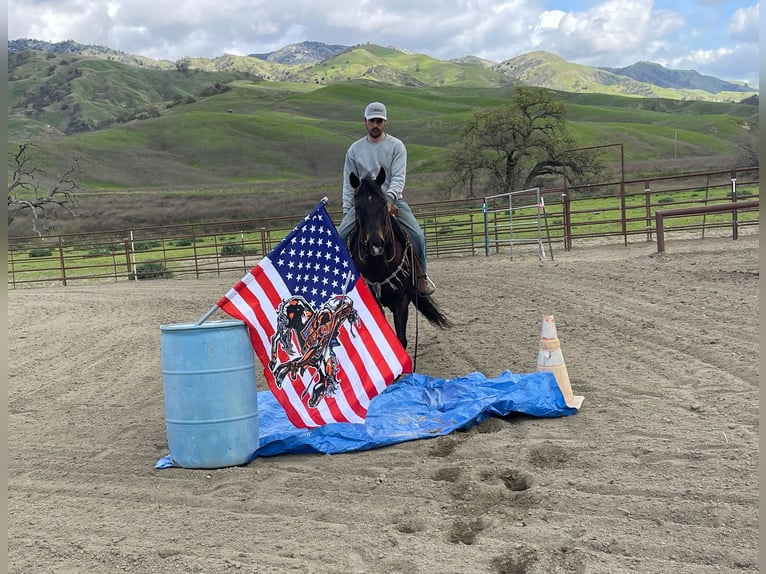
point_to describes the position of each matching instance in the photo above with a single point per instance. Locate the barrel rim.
(206, 325)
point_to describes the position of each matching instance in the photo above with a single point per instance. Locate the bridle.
(388, 239)
(398, 277)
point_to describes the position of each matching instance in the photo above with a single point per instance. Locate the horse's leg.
(401, 312)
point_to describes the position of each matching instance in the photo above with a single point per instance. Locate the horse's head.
(371, 211)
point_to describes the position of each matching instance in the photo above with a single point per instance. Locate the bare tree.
(27, 193)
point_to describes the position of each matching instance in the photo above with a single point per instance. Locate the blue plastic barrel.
(211, 401)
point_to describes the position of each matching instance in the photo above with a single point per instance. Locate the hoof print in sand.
(465, 530)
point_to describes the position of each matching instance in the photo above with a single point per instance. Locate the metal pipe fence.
(620, 211)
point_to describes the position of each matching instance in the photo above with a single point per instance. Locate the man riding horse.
(365, 157)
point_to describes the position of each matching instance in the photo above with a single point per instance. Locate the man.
(365, 157)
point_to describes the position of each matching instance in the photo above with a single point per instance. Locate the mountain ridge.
(665, 77)
(537, 68)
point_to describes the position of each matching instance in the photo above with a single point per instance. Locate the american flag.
(286, 298)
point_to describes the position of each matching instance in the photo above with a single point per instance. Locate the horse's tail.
(431, 311)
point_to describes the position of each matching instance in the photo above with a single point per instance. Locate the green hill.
(232, 145)
(57, 94)
(547, 70)
(255, 132)
(658, 75)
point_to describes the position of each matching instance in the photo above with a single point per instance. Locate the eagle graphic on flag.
(325, 345)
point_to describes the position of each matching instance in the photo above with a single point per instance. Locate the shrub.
(40, 252)
(152, 270)
(145, 245)
(232, 249)
(666, 199)
(185, 242)
(103, 250)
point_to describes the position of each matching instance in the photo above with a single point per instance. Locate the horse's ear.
(381, 176)
(353, 179)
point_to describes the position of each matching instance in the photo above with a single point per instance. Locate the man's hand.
(392, 209)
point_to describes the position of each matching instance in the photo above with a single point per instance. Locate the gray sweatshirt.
(365, 159)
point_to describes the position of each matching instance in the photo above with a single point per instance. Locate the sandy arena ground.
(657, 473)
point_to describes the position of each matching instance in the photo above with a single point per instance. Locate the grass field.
(249, 147)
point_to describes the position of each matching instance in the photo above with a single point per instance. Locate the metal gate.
(521, 213)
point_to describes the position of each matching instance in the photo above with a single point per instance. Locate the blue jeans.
(406, 219)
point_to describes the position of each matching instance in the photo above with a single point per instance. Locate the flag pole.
(207, 315)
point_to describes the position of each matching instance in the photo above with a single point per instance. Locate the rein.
(397, 274)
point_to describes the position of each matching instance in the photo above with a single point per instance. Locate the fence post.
(244, 255)
(217, 255)
(128, 264)
(11, 251)
(623, 204)
(734, 230)
(194, 250)
(567, 219)
(113, 250)
(648, 208)
(132, 255)
(435, 234)
(61, 258)
(263, 240)
(164, 252)
(659, 216)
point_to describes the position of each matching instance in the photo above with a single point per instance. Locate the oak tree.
(518, 145)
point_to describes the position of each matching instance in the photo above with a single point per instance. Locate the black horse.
(383, 253)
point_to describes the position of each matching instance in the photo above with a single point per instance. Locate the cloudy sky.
(714, 37)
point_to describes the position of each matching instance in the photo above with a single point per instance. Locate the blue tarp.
(417, 406)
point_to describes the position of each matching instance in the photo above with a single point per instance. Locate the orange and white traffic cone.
(550, 358)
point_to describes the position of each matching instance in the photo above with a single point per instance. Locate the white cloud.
(550, 20)
(732, 63)
(743, 25)
(607, 33)
(619, 32)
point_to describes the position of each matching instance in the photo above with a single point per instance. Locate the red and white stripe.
(370, 356)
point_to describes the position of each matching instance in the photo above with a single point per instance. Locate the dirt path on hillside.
(657, 473)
